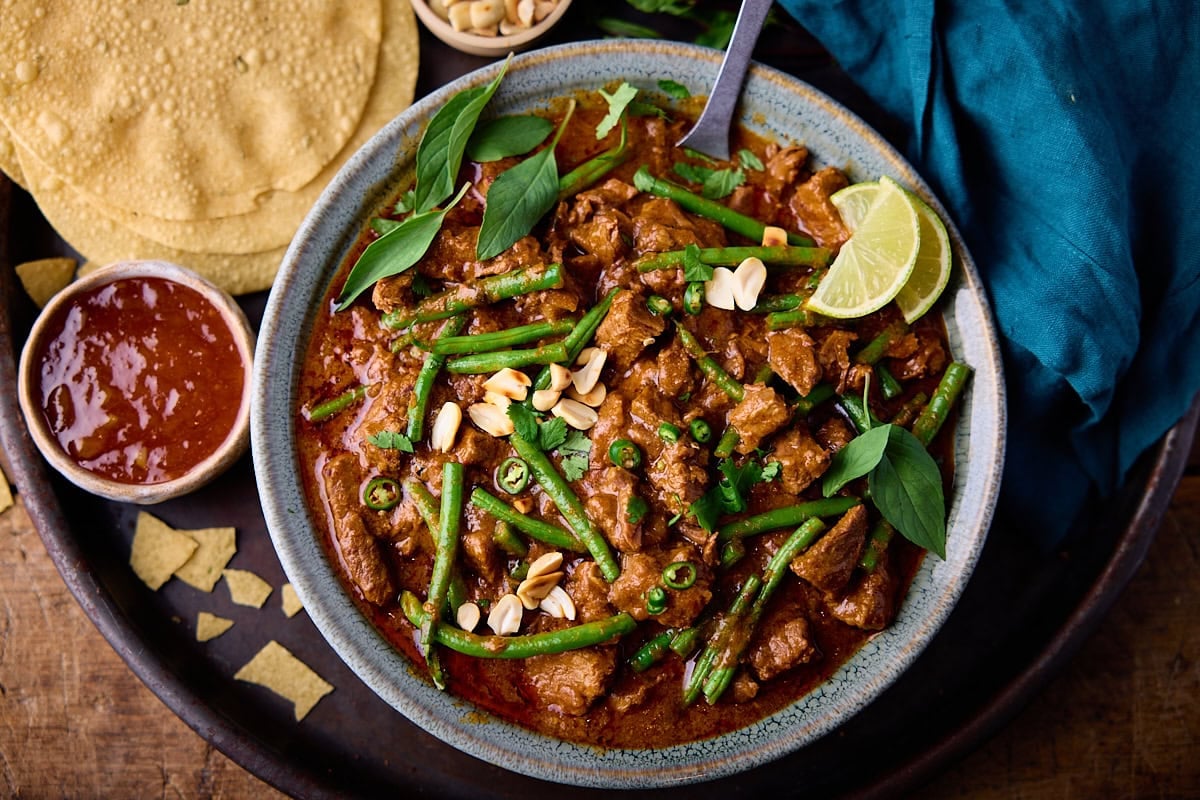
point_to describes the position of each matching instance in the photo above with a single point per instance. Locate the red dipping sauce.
(141, 379)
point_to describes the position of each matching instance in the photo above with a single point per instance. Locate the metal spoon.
(711, 133)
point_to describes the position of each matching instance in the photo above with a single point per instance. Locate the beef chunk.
(570, 682)
(782, 643)
(589, 592)
(783, 167)
(674, 370)
(600, 237)
(870, 603)
(627, 329)
(834, 434)
(474, 447)
(834, 355)
(760, 413)
(478, 547)
(928, 358)
(793, 357)
(744, 688)
(816, 212)
(678, 475)
(830, 562)
(801, 459)
(660, 225)
(607, 504)
(451, 254)
(360, 551)
(642, 571)
(393, 292)
(612, 424)
(604, 197)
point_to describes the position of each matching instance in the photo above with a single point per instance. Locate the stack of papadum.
(194, 131)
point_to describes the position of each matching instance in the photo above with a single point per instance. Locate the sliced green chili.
(693, 297)
(624, 453)
(679, 575)
(381, 494)
(656, 600)
(659, 305)
(701, 431)
(669, 433)
(513, 475)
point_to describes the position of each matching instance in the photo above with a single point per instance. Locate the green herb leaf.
(552, 433)
(524, 421)
(508, 136)
(676, 8)
(617, 102)
(731, 493)
(391, 440)
(395, 251)
(771, 471)
(383, 225)
(748, 160)
(906, 487)
(691, 173)
(640, 109)
(636, 510)
(440, 153)
(674, 89)
(574, 451)
(615, 26)
(406, 203)
(721, 183)
(693, 268)
(518, 198)
(696, 154)
(856, 459)
(421, 286)
(719, 24)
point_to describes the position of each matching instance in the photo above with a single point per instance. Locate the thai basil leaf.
(621, 97)
(674, 89)
(856, 459)
(508, 136)
(518, 198)
(395, 251)
(906, 487)
(440, 153)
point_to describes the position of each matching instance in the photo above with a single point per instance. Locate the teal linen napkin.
(1064, 137)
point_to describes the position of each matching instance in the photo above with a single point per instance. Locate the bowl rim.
(389, 673)
(474, 44)
(236, 441)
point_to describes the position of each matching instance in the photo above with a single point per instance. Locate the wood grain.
(1122, 721)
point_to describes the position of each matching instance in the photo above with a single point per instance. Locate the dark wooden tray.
(1024, 613)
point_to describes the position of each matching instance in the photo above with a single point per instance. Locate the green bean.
(515, 359)
(505, 537)
(423, 385)
(727, 443)
(726, 663)
(456, 594)
(653, 651)
(780, 320)
(781, 255)
(888, 385)
(499, 340)
(738, 223)
(595, 168)
(578, 338)
(778, 302)
(787, 517)
(709, 366)
(875, 349)
(535, 528)
(425, 504)
(683, 644)
(732, 552)
(717, 641)
(877, 543)
(324, 411)
(486, 291)
(445, 551)
(944, 397)
(819, 394)
(569, 505)
(909, 411)
(536, 644)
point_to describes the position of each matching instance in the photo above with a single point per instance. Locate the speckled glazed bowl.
(774, 105)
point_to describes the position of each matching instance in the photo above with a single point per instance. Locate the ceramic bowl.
(490, 46)
(231, 448)
(774, 105)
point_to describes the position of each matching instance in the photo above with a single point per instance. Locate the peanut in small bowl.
(490, 27)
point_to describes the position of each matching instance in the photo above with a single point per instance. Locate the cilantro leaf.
(674, 89)
(636, 510)
(748, 160)
(693, 268)
(771, 471)
(574, 451)
(383, 225)
(576, 442)
(574, 466)
(691, 173)
(617, 101)
(523, 421)
(552, 433)
(407, 202)
(696, 154)
(639, 109)
(856, 459)
(721, 183)
(730, 494)
(391, 440)
(906, 487)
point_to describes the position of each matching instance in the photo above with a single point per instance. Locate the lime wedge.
(931, 272)
(873, 266)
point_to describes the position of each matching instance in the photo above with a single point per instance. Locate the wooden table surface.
(1122, 721)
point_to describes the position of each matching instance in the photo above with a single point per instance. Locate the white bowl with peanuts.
(489, 27)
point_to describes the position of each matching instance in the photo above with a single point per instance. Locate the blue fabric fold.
(1064, 137)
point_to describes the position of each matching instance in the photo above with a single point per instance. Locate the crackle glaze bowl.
(774, 105)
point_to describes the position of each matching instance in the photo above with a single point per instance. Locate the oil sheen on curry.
(578, 457)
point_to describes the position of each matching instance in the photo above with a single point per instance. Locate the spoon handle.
(711, 132)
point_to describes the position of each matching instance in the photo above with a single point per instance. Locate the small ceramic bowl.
(491, 46)
(774, 105)
(235, 442)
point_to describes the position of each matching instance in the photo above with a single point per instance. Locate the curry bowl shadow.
(774, 105)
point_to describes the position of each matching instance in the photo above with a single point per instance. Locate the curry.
(591, 481)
